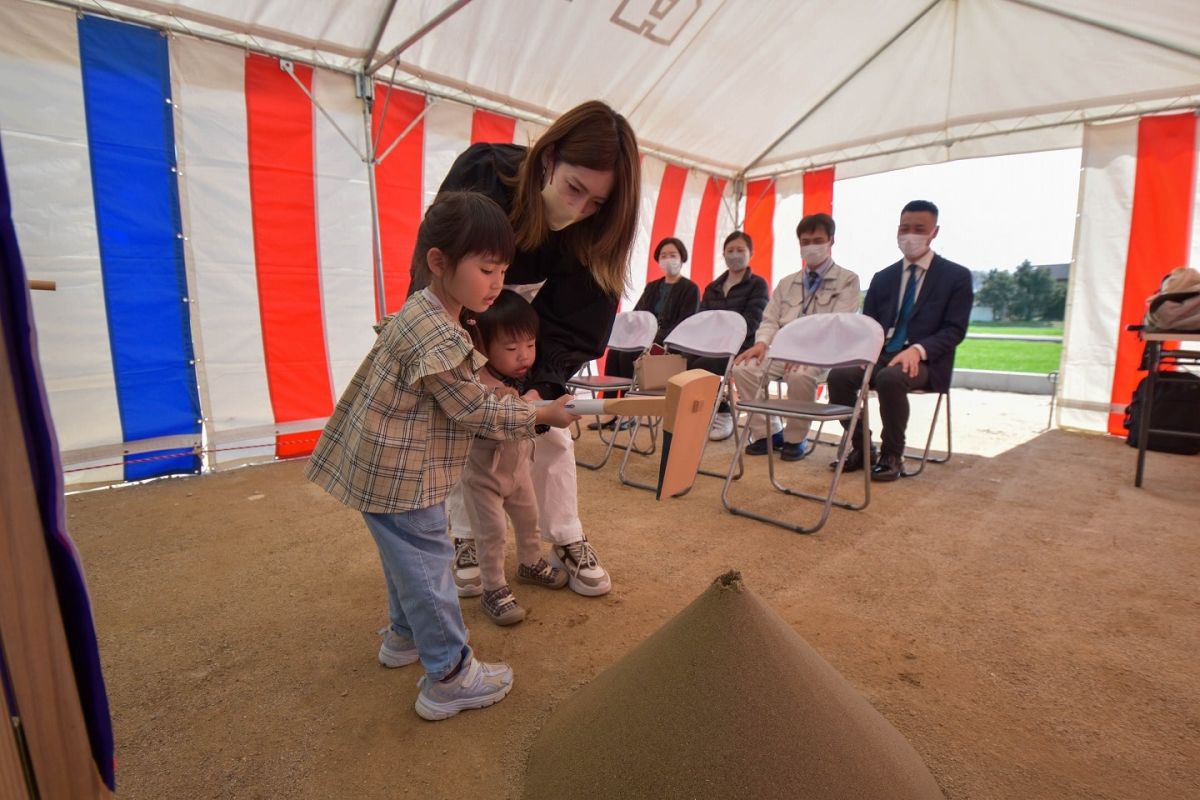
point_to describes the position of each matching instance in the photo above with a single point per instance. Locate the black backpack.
(1176, 407)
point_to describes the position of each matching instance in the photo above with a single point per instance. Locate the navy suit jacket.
(939, 319)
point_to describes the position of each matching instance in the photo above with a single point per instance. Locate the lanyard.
(810, 298)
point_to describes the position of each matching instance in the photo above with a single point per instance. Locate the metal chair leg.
(827, 500)
(610, 442)
(924, 457)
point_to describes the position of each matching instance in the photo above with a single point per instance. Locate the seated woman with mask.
(740, 290)
(671, 298)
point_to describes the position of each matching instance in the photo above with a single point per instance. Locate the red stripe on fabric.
(760, 224)
(489, 127)
(818, 192)
(704, 245)
(283, 211)
(398, 185)
(1158, 235)
(666, 214)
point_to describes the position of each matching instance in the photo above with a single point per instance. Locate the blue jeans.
(422, 600)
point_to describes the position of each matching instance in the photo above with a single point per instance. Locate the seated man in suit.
(923, 303)
(822, 287)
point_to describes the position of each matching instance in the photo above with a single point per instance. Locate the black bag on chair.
(1176, 407)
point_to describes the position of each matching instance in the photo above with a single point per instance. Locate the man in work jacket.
(822, 287)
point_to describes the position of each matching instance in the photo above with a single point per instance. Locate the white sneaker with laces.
(396, 650)
(467, 579)
(722, 426)
(585, 575)
(477, 685)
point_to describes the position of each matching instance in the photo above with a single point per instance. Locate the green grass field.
(1018, 328)
(1039, 357)
(1006, 356)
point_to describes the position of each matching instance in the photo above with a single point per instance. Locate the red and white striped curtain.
(1138, 199)
(265, 205)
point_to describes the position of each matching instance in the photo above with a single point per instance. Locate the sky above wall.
(995, 212)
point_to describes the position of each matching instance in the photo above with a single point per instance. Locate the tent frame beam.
(378, 36)
(1115, 29)
(175, 27)
(289, 68)
(950, 141)
(173, 23)
(415, 36)
(830, 94)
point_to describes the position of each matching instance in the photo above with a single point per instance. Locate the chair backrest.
(828, 340)
(709, 333)
(633, 331)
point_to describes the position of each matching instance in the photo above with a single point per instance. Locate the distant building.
(1060, 272)
(982, 314)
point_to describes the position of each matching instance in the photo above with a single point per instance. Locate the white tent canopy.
(754, 88)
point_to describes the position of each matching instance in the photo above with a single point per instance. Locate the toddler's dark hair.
(510, 314)
(459, 224)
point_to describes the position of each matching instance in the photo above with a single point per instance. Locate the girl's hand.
(555, 414)
(502, 392)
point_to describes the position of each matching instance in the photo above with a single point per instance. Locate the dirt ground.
(1023, 614)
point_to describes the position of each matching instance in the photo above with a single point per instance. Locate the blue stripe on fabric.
(131, 139)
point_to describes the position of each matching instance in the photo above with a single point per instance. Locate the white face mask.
(670, 265)
(814, 255)
(559, 214)
(736, 262)
(913, 245)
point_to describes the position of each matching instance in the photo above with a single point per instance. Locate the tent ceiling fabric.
(761, 87)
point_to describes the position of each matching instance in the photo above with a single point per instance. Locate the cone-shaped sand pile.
(725, 700)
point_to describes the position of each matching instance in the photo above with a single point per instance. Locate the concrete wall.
(1018, 382)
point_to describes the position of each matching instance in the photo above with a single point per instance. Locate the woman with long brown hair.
(572, 199)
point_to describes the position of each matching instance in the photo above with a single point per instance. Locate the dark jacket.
(748, 297)
(939, 319)
(683, 299)
(575, 313)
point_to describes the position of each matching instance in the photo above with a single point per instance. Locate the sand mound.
(725, 700)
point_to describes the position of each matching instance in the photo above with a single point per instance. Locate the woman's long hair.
(590, 135)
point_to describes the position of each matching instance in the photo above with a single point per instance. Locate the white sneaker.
(722, 427)
(396, 650)
(477, 685)
(467, 579)
(585, 576)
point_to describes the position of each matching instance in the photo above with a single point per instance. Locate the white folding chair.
(718, 334)
(632, 332)
(818, 340)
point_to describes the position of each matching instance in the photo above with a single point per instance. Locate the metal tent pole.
(365, 88)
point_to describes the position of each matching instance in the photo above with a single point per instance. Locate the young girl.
(398, 439)
(497, 478)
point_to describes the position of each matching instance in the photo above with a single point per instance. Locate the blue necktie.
(812, 281)
(900, 335)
